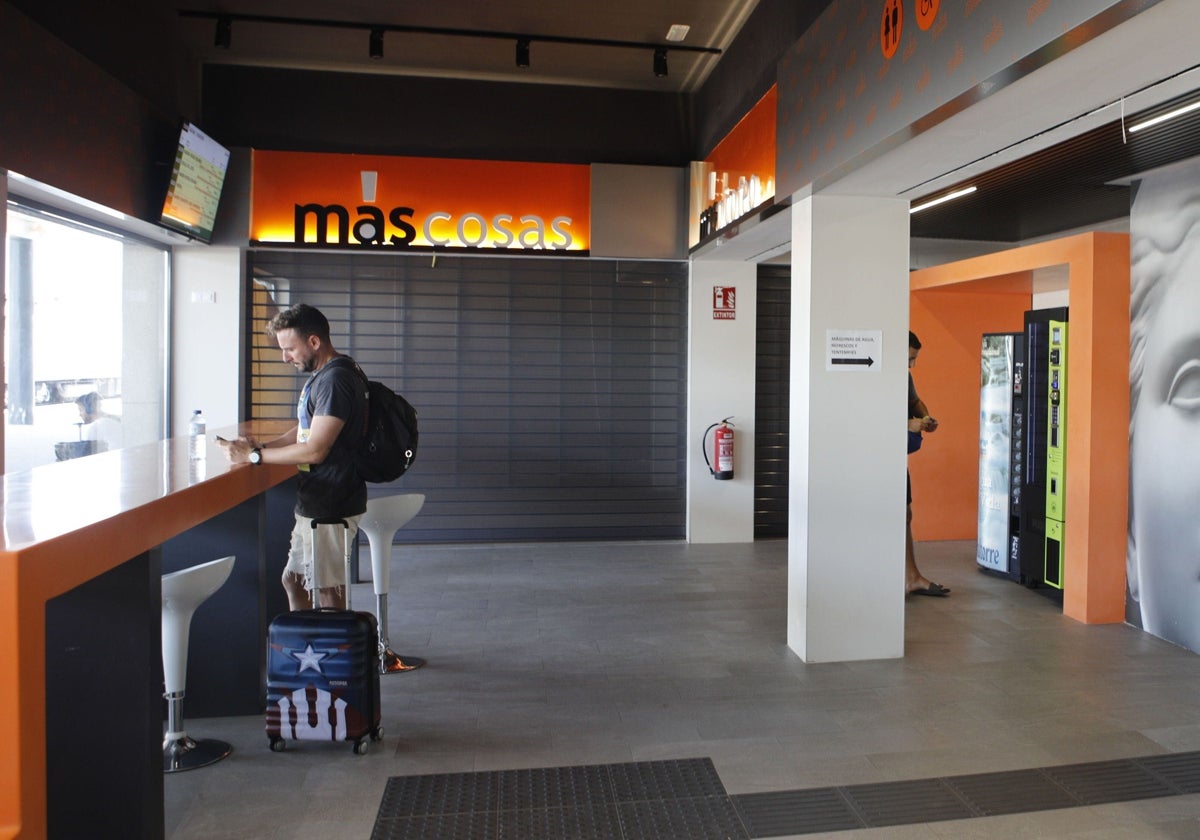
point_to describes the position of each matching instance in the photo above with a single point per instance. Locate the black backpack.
(389, 442)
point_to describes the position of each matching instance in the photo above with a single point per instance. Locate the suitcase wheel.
(377, 733)
(360, 747)
(277, 744)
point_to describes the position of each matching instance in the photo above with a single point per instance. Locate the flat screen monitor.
(194, 191)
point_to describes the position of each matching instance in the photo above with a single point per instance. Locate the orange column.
(1098, 433)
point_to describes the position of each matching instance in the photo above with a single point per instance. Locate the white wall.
(847, 431)
(206, 324)
(721, 362)
(638, 212)
(3, 285)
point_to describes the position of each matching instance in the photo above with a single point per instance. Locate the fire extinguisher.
(722, 450)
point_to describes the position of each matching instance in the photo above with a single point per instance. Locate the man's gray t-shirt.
(333, 488)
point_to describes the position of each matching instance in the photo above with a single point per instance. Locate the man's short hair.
(304, 319)
(914, 343)
(90, 403)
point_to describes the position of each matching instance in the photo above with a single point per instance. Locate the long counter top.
(67, 523)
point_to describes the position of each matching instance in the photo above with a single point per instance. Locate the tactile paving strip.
(650, 800)
(1179, 770)
(685, 800)
(779, 814)
(961, 797)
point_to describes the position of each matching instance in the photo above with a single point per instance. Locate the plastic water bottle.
(198, 446)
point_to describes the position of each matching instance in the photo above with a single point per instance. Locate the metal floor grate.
(650, 800)
(685, 800)
(963, 797)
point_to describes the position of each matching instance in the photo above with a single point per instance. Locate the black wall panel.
(772, 392)
(552, 392)
(298, 110)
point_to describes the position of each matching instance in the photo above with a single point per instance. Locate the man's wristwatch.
(255, 456)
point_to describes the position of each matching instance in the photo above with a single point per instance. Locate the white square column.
(721, 355)
(847, 430)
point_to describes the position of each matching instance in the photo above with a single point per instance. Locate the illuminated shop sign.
(738, 176)
(363, 201)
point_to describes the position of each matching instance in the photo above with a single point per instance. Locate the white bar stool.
(384, 517)
(182, 593)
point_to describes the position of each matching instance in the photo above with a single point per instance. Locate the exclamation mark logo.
(365, 230)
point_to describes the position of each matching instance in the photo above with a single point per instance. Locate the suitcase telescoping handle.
(334, 520)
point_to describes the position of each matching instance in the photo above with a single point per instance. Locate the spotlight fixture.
(1161, 118)
(942, 199)
(224, 35)
(522, 52)
(376, 44)
(660, 62)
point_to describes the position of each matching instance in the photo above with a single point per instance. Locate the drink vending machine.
(1001, 450)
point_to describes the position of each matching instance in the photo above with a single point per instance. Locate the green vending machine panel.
(1054, 553)
(1056, 453)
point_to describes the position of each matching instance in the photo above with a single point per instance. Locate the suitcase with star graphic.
(323, 676)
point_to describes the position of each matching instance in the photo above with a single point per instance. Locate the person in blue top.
(919, 421)
(331, 418)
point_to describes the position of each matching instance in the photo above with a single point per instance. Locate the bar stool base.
(188, 754)
(391, 662)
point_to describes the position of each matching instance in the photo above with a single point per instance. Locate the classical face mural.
(1164, 499)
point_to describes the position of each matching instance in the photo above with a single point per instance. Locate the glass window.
(85, 340)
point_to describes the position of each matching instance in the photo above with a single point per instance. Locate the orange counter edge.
(27, 581)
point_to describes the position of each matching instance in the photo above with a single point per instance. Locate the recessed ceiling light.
(677, 32)
(917, 208)
(1161, 118)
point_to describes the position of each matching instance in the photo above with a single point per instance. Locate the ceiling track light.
(377, 30)
(224, 34)
(942, 199)
(660, 62)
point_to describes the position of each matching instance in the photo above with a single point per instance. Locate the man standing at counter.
(330, 420)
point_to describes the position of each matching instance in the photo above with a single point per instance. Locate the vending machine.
(1001, 441)
(1056, 454)
(1032, 542)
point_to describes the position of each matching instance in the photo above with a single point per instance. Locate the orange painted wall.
(749, 149)
(945, 472)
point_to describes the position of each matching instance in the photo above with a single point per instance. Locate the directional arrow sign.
(853, 350)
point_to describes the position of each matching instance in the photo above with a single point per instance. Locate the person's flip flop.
(934, 589)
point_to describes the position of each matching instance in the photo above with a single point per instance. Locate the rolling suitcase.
(323, 675)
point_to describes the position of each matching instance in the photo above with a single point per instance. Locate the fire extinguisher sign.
(724, 303)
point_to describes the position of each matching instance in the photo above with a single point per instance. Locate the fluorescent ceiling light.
(941, 199)
(1170, 115)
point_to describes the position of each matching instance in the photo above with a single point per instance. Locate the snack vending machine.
(1001, 451)
(1036, 409)
(1056, 454)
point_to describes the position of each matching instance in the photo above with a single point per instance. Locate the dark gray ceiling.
(713, 24)
(1065, 186)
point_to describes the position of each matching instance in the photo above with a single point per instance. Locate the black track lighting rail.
(434, 30)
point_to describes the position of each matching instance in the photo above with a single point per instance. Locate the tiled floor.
(576, 654)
